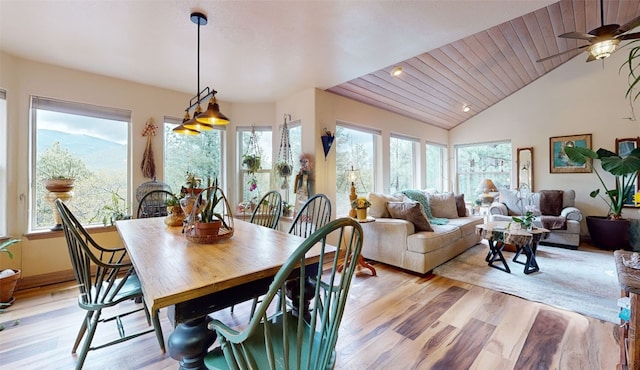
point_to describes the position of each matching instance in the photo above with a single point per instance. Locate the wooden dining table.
(193, 280)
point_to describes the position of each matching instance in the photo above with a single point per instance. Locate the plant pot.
(59, 185)
(208, 228)
(361, 213)
(609, 234)
(7, 287)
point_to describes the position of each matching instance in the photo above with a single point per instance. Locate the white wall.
(575, 98)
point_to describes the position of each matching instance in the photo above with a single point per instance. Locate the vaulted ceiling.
(482, 69)
(454, 53)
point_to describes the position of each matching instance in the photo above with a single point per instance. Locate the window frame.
(442, 165)
(4, 164)
(507, 167)
(79, 109)
(415, 160)
(242, 172)
(222, 178)
(376, 166)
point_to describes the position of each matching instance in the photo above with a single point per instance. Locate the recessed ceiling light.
(396, 71)
(466, 108)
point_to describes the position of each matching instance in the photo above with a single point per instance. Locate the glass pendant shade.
(603, 49)
(212, 116)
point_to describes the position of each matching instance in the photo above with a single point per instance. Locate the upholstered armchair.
(554, 209)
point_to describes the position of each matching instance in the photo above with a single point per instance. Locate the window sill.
(47, 234)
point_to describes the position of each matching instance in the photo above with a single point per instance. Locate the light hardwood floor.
(393, 321)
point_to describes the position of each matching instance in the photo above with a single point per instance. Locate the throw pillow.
(412, 212)
(551, 202)
(379, 201)
(460, 205)
(418, 196)
(443, 205)
(510, 199)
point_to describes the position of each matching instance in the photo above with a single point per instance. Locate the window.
(356, 149)
(3, 163)
(87, 142)
(435, 166)
(254, 186)
(402, 151)
(477, 162)
(200, 155)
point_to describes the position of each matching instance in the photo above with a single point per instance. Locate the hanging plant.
(284, 169)
(251, 162)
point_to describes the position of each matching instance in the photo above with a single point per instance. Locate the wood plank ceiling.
(482, 69)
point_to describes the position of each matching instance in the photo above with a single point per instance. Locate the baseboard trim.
(37, 281)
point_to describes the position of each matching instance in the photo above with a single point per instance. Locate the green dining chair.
(266, 214)
(287, 341)
(105, 278)
(268, 211)
(314, 213)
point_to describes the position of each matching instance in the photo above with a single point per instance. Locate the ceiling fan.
(603, 40)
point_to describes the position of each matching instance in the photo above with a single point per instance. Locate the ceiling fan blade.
(635, 22)
(629, 36)
(577, 35)
(561, 53)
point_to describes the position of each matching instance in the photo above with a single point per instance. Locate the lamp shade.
(603, 49)
(486, 186)
(185, 131)
(194, 124)
(212, 116)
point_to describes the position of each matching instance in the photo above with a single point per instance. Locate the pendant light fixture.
(201, 121)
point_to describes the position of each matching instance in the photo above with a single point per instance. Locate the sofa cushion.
(551, 202)
(378, 208)
(510, 199)
(467, 224)
(461, 207)
(443, 205)
(410, 211)
(424, 242)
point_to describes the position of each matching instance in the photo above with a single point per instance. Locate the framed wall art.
(558, 160)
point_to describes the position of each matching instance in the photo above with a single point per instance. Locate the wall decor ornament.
(148, 165)
(559, 162)
(327, 142)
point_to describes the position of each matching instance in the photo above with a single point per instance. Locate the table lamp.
(486, 186)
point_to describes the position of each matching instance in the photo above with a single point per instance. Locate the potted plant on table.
(211, 219)
(8, 277)
(360, 205)
(611, 231)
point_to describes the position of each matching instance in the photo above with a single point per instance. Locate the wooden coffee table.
(499, 236)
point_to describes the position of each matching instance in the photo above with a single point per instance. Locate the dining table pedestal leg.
(190, 342)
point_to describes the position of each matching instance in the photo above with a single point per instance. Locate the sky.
(114, 131)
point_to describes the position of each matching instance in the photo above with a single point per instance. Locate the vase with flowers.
(360, 205)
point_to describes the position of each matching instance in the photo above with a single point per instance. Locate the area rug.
(583, 281)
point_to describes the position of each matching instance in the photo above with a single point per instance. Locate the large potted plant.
(610, 231)
(8, 277)
(59, 168)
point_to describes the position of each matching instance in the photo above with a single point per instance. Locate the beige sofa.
(396, 242)
(558, 214)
